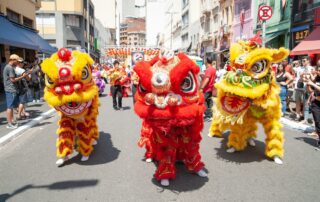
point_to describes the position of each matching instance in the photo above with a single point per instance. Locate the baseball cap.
(14, 57)
(20, 59)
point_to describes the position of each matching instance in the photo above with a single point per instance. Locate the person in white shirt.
(221, 72)
(301, 95)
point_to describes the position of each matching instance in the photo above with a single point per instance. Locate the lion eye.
(188, 83)
(85, 73)
(142, 89)
(49, 80)
(259, 66)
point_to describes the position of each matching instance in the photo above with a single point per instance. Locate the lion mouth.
(234, 104)
(74, 108)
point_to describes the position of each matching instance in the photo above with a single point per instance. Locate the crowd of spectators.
(21, 82)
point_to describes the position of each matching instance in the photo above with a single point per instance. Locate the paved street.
(116, 172)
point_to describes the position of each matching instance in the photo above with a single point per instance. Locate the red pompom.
(64, 54)
(164, 60)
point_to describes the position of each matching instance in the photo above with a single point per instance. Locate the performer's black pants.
(209, 104)
(315, 109)
(116, 92)
(133, 90)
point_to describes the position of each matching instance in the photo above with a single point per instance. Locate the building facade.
(243, 19)
(133, 32)
(22, 14)
(64, 24)
(278, 26)
(305, 18)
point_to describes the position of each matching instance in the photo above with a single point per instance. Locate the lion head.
(69, 84)
(251, 75)
(168, 89)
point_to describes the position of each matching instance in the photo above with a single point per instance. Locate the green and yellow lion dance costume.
(249, 94)
(71, 90)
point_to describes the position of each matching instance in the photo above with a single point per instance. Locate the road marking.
(17, 132)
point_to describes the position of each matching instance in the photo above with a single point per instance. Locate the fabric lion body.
(71, 90)
(172, 115)
(248, 95)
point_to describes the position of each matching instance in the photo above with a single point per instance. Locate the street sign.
(265, 13)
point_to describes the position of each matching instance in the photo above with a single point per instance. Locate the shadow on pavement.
(41, 124)
(184, 182)
(309, 140)
(250, 154)
(126, 108)
(63, 185)
(104, 152)
(3, 120)
(104, 95)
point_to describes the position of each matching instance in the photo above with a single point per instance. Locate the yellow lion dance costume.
(249, 94)
(71, 91)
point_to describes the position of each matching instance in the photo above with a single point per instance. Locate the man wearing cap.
(10, 87)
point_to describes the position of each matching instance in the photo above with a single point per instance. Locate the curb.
(17, 132)
(296, 126)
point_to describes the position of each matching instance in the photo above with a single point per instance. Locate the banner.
(127, 51)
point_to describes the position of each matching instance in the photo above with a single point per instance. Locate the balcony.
(207, 6)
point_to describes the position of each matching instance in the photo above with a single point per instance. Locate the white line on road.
(17, 132)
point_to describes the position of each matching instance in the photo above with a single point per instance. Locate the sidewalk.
(35, 110)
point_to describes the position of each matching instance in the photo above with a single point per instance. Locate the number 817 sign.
(265, 13)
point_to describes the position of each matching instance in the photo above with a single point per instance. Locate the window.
(73, 20)
(13, 16)
(135, 43)
(27, 22)
(185, 19)
(185, 37)
(51, 41)
(272, 4)
(73, 43)
(184, 3)
(47, 20)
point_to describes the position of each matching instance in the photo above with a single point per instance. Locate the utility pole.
(88, 26)
(171, 17)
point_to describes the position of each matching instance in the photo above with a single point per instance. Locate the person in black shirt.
(314, 86)
(283, 79)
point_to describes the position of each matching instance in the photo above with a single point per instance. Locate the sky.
(105, 12)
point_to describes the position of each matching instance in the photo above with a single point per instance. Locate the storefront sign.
(298, 36)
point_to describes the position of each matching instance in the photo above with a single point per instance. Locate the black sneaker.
(120, 108)
(116, 108)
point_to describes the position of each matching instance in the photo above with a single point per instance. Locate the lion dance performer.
(71, 90)
(171, 106)
(249, 94)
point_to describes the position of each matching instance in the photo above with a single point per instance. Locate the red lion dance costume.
(71, 90)
(171, 106)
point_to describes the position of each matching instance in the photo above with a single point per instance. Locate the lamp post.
(171, 16)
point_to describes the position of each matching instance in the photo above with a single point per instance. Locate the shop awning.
(10, 35)
(43, 45)
(272, 36)
(309, 45)
(19, 36)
